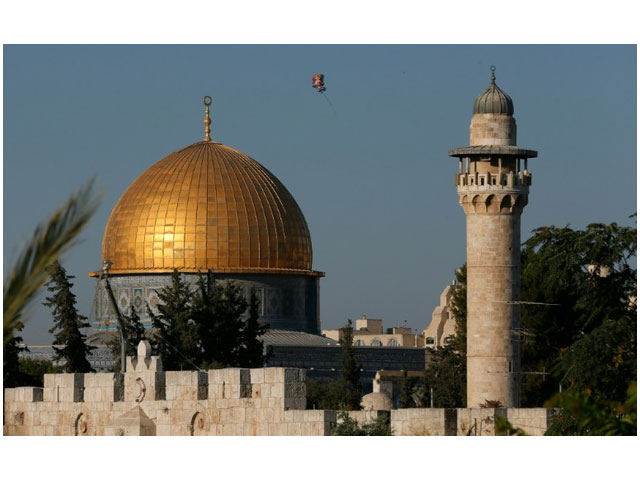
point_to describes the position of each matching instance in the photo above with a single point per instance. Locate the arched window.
(376, 342)
(392, 342)
(358, 343)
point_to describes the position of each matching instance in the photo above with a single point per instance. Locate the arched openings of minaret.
(492, 204)
(519, 203)
(506, 204)
(478, 204)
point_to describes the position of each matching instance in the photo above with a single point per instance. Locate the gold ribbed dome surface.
(207, 206)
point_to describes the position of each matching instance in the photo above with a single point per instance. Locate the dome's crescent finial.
(207, 121)
(493, 73)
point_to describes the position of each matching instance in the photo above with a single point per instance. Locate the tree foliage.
(583, 414)
(213, 326)
(446, 374)
(50, 239)
(11, 360)
(135, 333)
(446, 370)
(584, 331)
(251, 353)
(32, 371)
(459, 312)
(348, 426)
(407, 387)
(346, 392)
(350, 369)
(176, 339)
(73, 350)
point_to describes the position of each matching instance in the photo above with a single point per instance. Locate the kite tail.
(330, 104)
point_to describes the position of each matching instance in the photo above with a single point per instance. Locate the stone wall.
(231, 401)
(148, 401)
(423, 421)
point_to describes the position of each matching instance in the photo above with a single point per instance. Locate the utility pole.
(112, 299)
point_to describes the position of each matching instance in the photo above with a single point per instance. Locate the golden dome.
(207, 206)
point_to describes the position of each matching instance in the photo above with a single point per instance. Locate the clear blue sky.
(373, 180)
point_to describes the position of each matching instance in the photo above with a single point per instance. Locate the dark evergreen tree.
(459, 312)
(67, 323)
(344, 393)
(10, 358)
(446, 375)
(251, 354)
(407, 385)
(32, 371)
(176, 339)
(230, 336)
(135, 333)
(217, 310)
(350, 370)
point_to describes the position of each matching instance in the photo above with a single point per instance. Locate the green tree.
(446, 375)
(459, 312)
(228, 326)
(325, 395)
(406, 391)
(348, 426)
(350, 370)
(344, 393)
(176, 339)
(32, 371)
(135, 333)
(11, 358)
(251, 352)
(68, 323)
(580, 283)
(446, 370)
(582, 414)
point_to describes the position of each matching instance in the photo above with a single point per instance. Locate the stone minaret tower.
(493, 188)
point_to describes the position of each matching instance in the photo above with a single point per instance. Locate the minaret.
(493, 187)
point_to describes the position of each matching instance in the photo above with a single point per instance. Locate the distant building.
(368, 332)
(442, 325)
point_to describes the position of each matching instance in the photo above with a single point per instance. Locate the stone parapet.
(424, 421)
(229, 401)
(104, 387)
(63, 387)
(186, 385)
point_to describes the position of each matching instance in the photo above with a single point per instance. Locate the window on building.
(376, 342)
(358, 343)
(392, 343)
(430, 341)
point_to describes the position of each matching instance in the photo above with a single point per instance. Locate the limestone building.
(442, 325)
(369, 332)
(493, 183)
(210, 207)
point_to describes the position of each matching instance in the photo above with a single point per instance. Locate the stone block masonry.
(230, 401)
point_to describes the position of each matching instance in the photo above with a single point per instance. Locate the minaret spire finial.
(207, 121)
(493, 74)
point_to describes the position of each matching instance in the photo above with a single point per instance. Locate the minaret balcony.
(492, 181)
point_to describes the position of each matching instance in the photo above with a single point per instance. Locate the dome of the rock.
(207, 206)
(210, 208)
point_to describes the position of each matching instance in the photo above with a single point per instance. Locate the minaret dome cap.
(493, 100)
